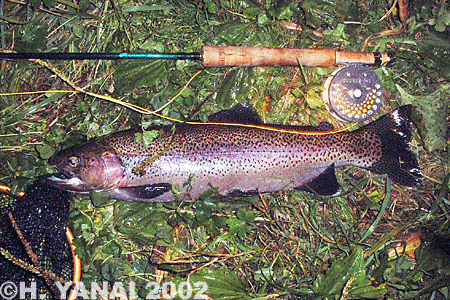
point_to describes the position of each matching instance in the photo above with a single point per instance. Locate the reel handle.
(234, 56)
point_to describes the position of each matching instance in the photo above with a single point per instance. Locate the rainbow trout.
(237, 160)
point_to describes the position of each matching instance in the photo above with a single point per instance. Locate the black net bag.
(36, 259)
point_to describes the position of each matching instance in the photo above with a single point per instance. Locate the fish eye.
(73, 161)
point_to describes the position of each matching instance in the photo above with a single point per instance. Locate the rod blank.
(101, 56)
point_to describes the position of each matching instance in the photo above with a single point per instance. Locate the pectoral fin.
(325, 184)
(239, 193)
(143, 193)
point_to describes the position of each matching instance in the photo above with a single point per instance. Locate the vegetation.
(287, 245)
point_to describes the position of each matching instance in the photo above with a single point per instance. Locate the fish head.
(86, 168)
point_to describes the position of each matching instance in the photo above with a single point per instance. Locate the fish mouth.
(67, 183)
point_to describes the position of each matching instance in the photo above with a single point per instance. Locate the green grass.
(287, 245)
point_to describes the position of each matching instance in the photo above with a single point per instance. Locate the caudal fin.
(397, 160)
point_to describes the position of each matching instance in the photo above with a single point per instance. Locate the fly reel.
(353, 93)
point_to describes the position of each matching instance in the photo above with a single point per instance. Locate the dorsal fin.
(242, 113)
(323, 126)
(245, 113)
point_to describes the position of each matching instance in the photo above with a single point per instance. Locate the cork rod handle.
(232, 56)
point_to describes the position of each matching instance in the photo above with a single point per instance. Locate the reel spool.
(353, 93)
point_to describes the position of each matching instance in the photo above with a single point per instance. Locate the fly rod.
(230, 56)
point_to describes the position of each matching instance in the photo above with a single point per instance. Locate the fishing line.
(179, 94)
(145, 111)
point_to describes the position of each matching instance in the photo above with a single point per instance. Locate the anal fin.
(143, 193)
(325, 184)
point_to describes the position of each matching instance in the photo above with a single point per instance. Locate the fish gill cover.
(286, 245)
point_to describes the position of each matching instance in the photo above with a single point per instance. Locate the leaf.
(35, 3)
(223, 284)
(434, 109)
(203, 211)
(314, 97)
(446, 19)
(78, 30)
(149, 136)
(68, 3)
(136, 74)
(433, 256)
(141, 222)
(234, 32)
(434, 51)
(235, 225)
(367, 291)
(146, 137)
(380, 215)
(211, 6)
(34, 38)
(49, 3)
(285, 14)
(263, 19)
(34, 108)
(336, 34)
(146, 8)
(440, 26)
(100, 198)
(340, 273)
(349, 270)
(112, 269)
(12, 21)
(45, 151)
(235, 87)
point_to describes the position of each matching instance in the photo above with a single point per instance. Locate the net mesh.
(40, 216)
